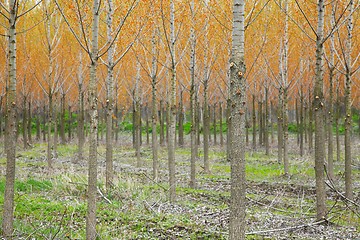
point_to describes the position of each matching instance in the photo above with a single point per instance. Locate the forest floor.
(52, 205)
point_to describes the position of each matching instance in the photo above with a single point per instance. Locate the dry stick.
(289, 228)
(345, 199)
(61, 223)
(277, 209)
(103, 196)
(154, 181)
(332, 187)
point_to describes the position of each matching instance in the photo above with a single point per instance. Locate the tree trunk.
(193, 109)
(266, 122)
(154, 138)
(38, 125)
(29, 123)
(348, 114)
(161, 118)
(44, 123)
(301, 122)
(206, 129)
(25, 123)
(310, 127)
(214, 124)
(181, 120)
(319, 117)
(10, 150)
(253, 123)
(69, 124)
(109, 168)
(337, 118)
(238, 107)
(171, 127)
(147, 125)
(221, 126)
(50, 146)
(260, 123)
(280, 127)
(285, 132)
(93, 103)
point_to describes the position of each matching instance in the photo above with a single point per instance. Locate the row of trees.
(179, 54)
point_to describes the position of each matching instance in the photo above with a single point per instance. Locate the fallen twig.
(289, 228)
(103, 196)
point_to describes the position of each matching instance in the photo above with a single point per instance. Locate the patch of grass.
(30, 185)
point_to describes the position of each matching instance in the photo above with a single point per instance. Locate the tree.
(318, 106)
(238, 102)
(13, 16)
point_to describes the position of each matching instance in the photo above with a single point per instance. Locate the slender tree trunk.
(285, 132)
(172, 103)
(109, 168)
(221, 126)
(297, 118)
(70, 124)
(301, 119)
(280, 127)
(8, 207)
(29, 123)
(50, 146)
(93, 103)
(319, 117)
(348, 114)
(56, 133)
(206, 129)
(253, 123)
(154, 138)
(44, 123)
(310, 127)
(193, 109)
(147, 126)
(238, 107)
(247, 126)
(337, 118)
(266, 122)
(161, 118)
(214, 124)
(260, 110)
(181, 120)
(38, 125)
(25, 123)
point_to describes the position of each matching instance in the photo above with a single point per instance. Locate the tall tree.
(318, 105)
(238, 102)
(12, 16)
(193, 143)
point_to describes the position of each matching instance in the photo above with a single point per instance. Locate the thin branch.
(29, 10)
(289, 228)
(72, 30)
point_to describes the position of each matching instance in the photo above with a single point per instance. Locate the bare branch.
(29, 10)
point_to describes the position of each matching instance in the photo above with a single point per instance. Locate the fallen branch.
(289, 228)
(332, 187)
(276, 209)
(103, 196)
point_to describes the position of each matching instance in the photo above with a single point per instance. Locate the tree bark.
(172, 114)
(109, 168)
(8, 207)
(348, 114)
(181, 120)
(93, 103)
(318, 104)
(253, 123)
(193, 109)
(238, 107)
